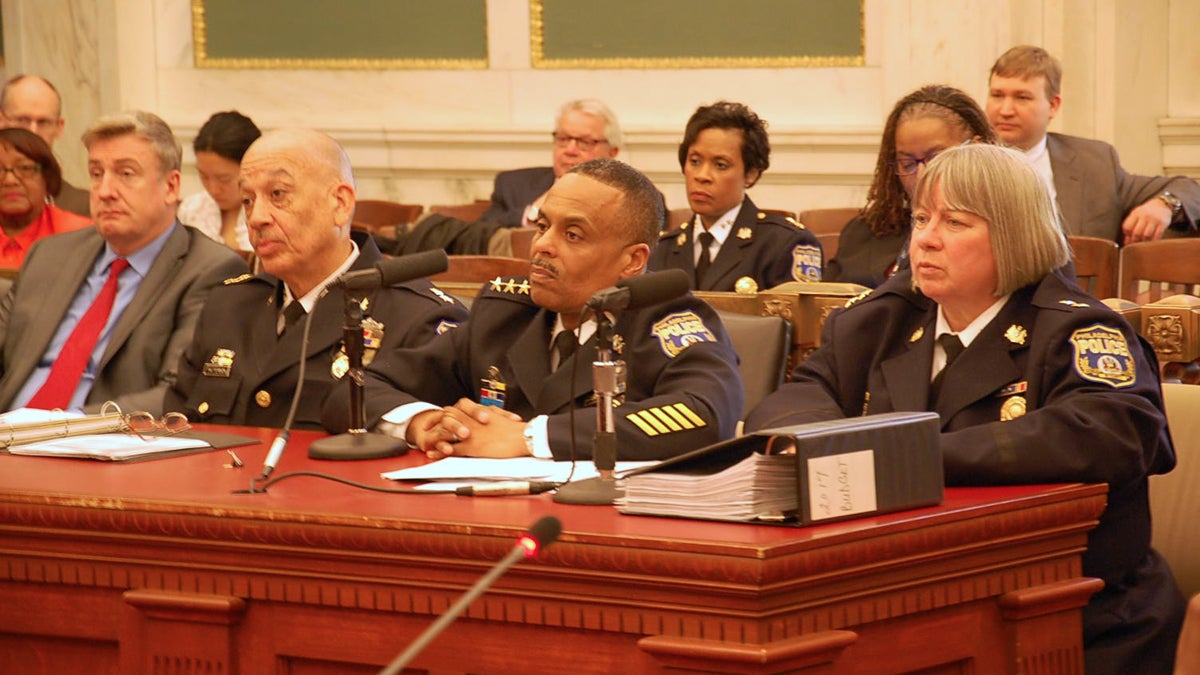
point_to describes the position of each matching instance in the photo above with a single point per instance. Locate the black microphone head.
(652, 288)
(543, 533)
(415, 266)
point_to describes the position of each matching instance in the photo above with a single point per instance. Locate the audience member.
(104, 313)
(217, 211)
(585, 129)
(31, 175)
(32, 103)
(931, 119)
(729, 243)
(243, 365)
(505, 393)
(1034, 380)
(1096, 197)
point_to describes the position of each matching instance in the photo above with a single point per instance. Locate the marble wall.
(439, 136)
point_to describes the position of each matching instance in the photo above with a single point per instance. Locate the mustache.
(544, 264)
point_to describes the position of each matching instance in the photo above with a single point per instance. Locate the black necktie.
(291, 314)
(564, 344)
(706, 240)
(953, 347)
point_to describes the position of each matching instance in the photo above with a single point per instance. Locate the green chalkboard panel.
(696, 33)
(340, 33)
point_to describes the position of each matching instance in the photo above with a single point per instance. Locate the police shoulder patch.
(1102, 355)
(678, 331)
(806, 263)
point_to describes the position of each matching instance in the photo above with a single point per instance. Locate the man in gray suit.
(138, 277)
(1096, 197)
(32, 103)
(585, 129)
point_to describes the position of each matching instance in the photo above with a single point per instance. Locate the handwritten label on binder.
(841, 485)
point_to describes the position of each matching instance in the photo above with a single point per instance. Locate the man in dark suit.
(585, 129)
(32, 103)
(1096, 197)
(138, 280)
(495, 387)
(243, 366)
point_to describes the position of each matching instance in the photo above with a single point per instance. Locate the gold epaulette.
(238, 279)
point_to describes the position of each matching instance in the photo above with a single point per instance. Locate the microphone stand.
(356, 443)
(608, 377)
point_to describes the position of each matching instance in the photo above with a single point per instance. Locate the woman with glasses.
(1034, 381)
(921, 125)
(219, 147)
(728, 243)
(31, 176)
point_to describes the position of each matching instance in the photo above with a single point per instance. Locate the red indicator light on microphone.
(530, 545)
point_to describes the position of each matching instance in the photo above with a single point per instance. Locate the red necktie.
(73, 359)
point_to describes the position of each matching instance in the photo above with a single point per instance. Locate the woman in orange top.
(30, 175)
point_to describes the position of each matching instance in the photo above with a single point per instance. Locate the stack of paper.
(759, 487)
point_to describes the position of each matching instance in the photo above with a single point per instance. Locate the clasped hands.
(468, 429)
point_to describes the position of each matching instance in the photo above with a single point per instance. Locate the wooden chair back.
(827, 221)
(468, 212)
(1096, 261)
(1153, 270)
(482, 268)
(378, 213)
(677, 217)
(521, 239)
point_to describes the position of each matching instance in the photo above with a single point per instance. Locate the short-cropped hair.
(1026, 61)
(642, 207)
(146, 126)
(596, 108)
(32, 146)
(756, 146)
(998, 185)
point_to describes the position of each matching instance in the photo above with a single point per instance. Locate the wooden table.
(157, 567)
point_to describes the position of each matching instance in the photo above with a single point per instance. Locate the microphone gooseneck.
(394, 271)
(540, 535)
(641, 291)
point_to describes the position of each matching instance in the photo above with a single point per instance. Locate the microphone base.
(357, 446)
(592, 491)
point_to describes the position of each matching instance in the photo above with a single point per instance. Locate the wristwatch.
(1172, 202)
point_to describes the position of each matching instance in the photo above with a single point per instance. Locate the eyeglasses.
(563, 140)
(31, 123)
(907, 166)
(144, 424)
(22, 171)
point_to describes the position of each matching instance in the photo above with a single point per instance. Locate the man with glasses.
(1095, 195)
(32, 103)
(585, 129)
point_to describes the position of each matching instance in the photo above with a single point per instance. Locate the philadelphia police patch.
(676, 332)
(1102, 355)
(806, 263)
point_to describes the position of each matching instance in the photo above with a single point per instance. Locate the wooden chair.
(482, 268)
(1096, 262)
(827, 221)
(521, 239)
(1152, 270)
(677, 217)
(1174, 499)
(376, 213)
(468, 212)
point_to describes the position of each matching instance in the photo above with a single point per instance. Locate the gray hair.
(998, 185)
(146, 126)
(596, 108)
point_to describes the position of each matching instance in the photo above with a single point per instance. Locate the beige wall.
(439, 137)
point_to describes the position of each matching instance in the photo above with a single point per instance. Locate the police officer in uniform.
(496, 386)
(729, 244)
(1034, 381)
(243, 364)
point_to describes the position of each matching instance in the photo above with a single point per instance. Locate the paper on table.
(517, 468)
(112, 447)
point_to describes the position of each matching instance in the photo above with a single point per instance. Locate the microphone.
(643, 290)
(395, 270)
(543, 533)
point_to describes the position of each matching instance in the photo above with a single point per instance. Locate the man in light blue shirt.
(133, 164)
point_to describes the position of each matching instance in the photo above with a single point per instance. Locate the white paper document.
(111, 447)
(516, 468)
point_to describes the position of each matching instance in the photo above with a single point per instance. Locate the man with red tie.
(103, 313)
